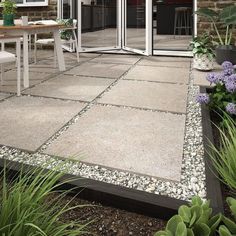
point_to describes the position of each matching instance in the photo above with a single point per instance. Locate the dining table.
(26, 30)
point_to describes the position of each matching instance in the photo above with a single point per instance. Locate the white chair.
(19, 22)
(50, 41)
(6, 57)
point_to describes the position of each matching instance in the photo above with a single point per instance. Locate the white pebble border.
(193, 168)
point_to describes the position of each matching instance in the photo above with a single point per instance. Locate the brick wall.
(203, 23)
(40, 12)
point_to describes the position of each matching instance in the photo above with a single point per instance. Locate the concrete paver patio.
(179, 62)
(27, 122)
(159, 74)
(100, 70)
(9, 84)
(3, 95)
(144, 94)
(135, 120)
(127, 139)
(72, 87)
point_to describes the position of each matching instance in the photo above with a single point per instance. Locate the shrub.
(223, 95)
(27, 209)
(224, 158)
(192, 220)
(197, 220)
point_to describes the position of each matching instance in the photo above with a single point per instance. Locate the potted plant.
(8, 12)
(203, 52)
(223, 21)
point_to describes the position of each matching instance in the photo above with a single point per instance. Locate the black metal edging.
(212, 180)
(133, 200)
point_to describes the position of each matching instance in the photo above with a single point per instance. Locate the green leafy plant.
(229, 227)
(225, 18)
(203, 45)
(9, 7)
(66, 34)
(27, 206)
(195, 219)
(224, 158)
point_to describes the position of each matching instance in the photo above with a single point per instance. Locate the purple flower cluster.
(228, 68)
(227, 65)
(230, 83)
(213, 78)
(231, 108)
(203, 98)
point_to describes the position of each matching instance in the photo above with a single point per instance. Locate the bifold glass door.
(115, 25)
(137, 36)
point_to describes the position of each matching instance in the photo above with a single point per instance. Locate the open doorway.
(104, 25)
(159, 27)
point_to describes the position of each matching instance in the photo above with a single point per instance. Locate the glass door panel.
(99, 25)
(137, 26)
(172, 24)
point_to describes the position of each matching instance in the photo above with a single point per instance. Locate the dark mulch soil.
(109, 221)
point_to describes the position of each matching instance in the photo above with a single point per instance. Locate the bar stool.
(183, 20)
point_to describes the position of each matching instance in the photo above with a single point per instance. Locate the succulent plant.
(229, 227)
(195, 219)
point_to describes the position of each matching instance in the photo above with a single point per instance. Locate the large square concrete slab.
(99, 70)
(160, 96)
(45, 66)
(4, 95)
(10, 79)
(71, 57)
(144, 142)
(27, 122)
(166, 61)
(71, 87)
(159, 74)
(117, 59)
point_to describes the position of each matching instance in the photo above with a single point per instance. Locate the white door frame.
(148, 30)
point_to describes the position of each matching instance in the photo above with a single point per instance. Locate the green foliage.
(195, 219)
(66, 34)
(225, 17)
(220, 97)
(27, 207)
(229, 227)
(224, 158)
(203, 45)
(9, 7)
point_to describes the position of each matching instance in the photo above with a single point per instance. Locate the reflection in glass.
(172, 24)
(99, 23)
(135, 33)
